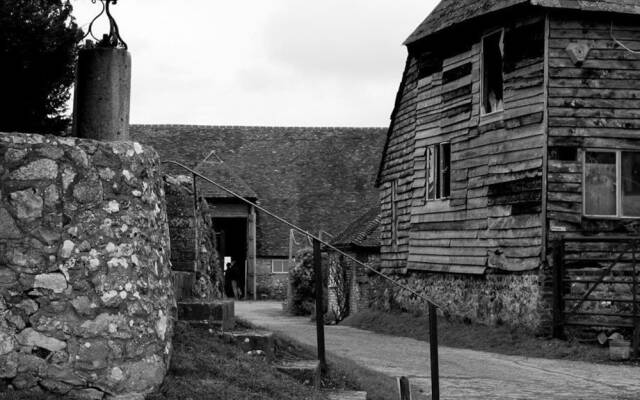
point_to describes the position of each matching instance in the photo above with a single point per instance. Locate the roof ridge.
(258, 126)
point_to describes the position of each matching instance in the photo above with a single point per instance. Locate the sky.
(263, 62)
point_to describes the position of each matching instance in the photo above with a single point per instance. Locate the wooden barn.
(516, 125)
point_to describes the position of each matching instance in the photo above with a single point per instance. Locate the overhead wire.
(619, 43)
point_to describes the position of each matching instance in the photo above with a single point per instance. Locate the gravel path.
(464, 374)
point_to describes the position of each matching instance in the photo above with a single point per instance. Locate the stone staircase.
(219, 315)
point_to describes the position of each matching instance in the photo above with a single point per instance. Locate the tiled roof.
(319, 178)
(363, 232)
(219, 172)
(451, 12)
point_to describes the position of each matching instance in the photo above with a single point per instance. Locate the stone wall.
(86, 300)
(187, 260)
(350, 283)
(268, 284)
(496, 299)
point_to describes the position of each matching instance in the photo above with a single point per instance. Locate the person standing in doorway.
(235, 280)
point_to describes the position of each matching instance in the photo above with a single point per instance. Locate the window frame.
(618, 154)
(285, 266)
(482, 68)
(438, 173)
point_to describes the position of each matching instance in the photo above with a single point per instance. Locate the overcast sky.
(264, 62)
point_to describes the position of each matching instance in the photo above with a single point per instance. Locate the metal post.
(317, 267)
(433, 353)
(558, 306)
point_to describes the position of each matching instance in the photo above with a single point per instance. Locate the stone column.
(102, 94)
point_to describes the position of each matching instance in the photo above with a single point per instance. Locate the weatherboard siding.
(593, 105)
(496, 162)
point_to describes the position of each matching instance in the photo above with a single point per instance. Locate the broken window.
(630, 185)
(612, 183)
(438, 171)
(492, 67)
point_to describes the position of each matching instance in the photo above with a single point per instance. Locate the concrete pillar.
(102, 94)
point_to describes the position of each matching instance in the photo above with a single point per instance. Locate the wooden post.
(558, 303)
(317, 267)
(196, 254)
(636, 317)
(433, 353)
(251, 253)
(404, 388)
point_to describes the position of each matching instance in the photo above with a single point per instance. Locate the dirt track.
(464, 374)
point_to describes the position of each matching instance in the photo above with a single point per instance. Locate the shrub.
(302, 299)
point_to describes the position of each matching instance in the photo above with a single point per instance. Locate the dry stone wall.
(86, 299)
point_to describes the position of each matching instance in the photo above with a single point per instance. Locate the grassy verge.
(205, 368)
(342, 373)
(477, 337)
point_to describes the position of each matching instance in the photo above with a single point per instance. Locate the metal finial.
(113, 39)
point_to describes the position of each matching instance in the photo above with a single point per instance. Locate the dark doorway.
(232, 243)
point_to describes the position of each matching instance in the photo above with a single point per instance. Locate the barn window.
(280, 266)
(394, 213)
(438, 171)
(492, 67)
(612, 183)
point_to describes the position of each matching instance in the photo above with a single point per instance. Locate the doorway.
(232, 247)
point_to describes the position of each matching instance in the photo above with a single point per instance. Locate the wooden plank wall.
(593, 105)
(496, 177)
(397, 164)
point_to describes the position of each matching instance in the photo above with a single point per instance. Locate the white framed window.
(611, 184)
(280, 266)
(492, 84)
(438, 171)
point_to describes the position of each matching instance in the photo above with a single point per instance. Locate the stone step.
(217, 314)
(252, 340)
(346, 395)
(305, 371)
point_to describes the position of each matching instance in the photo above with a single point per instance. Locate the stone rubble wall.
(185, 261)
(495, 299)
(350, 283)
(86, 298)
(269, 285)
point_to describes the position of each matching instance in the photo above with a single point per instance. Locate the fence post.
(317, 267)
(433, 353)
(636, 317)
(196, 248)
(558, 303)
(404, 388)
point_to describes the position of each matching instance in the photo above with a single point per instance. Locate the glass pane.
(431, 176)
(600, 183)
(631, 184)
(445, 177)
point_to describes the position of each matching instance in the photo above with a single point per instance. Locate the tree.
(38, 47)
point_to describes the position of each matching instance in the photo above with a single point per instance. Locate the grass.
(342, 373)
(205, 368)
(500, 339)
